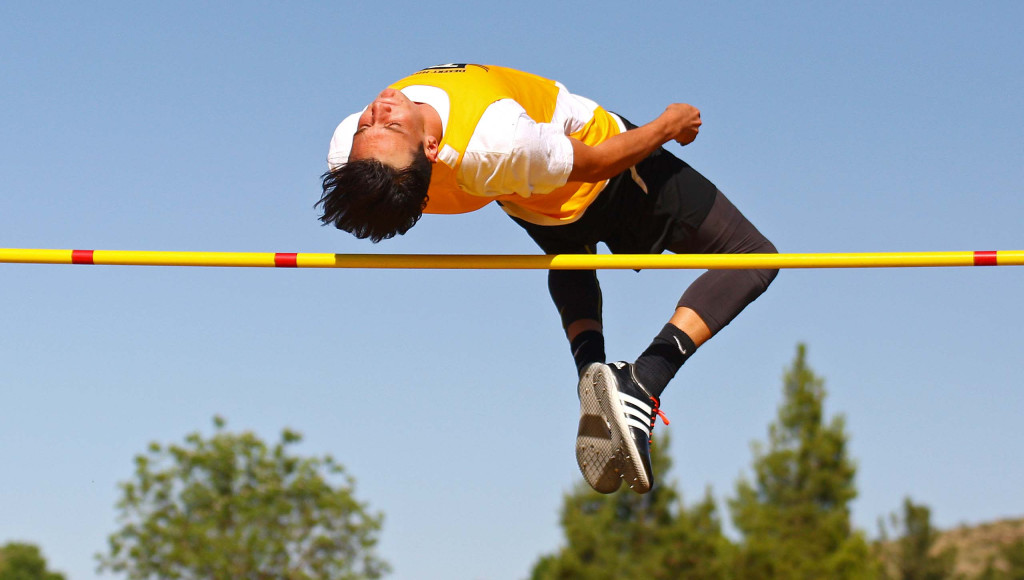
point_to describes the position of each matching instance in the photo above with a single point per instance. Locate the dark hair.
(370, 199)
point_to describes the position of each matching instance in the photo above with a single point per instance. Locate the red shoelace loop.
(657, 413)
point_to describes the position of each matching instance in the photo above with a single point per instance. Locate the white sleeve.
(511, 153)
(341, 142)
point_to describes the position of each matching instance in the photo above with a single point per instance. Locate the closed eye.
(397, 127)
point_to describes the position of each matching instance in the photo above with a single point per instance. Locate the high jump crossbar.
(512, 262)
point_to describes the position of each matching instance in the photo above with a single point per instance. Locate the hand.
(682, 122)
(593, 163)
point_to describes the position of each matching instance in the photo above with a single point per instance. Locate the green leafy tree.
(795, 516)
(626, 535)
(19, 561)
(912, 555)
(229, 506)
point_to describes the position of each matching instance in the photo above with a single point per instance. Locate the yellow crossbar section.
(512, 262)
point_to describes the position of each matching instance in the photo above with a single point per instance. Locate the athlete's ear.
(430, 148)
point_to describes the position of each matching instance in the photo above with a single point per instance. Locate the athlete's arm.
(679, 122)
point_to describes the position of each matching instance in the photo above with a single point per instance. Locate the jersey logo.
(450, 68)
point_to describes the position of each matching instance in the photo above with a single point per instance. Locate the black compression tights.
(717, 296)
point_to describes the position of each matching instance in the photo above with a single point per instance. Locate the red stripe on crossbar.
(283, 260)
(81, 257)
(985, 258)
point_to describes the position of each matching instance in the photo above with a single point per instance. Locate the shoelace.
(657, 412)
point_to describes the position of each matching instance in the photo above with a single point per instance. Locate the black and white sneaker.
(596, 455)
(631, 412)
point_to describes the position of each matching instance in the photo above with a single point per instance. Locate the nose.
(379, 107)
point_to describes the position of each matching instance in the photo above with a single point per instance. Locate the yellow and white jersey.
(505, 137)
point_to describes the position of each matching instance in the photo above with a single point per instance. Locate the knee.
(766, 247)
(758, 281)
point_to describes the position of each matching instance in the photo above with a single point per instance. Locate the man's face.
(391, 130)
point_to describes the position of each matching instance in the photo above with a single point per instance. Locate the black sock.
(659, 363)
(587, 347)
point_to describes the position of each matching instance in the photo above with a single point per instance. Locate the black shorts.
(631, 221)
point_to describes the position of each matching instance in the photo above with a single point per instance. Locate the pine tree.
(626, 535)
(912, 556)
(795, 515)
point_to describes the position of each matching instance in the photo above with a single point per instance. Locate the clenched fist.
(682, 122)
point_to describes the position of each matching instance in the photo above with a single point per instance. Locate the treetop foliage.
(795, 515)
(230, 506)
(22, 561)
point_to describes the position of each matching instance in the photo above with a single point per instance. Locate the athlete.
(454, 138)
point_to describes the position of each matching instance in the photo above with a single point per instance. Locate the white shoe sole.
(633, 472)
(596, 453)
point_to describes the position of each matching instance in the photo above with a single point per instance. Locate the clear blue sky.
(450, 396)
